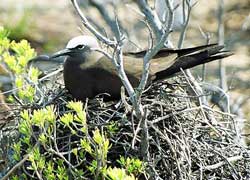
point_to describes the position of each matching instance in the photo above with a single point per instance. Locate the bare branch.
(220, 34)
(186, 17)
(169, 22)
(86, 23)
(106, 16)
(152, 19)
(219, 164)
(19, 164)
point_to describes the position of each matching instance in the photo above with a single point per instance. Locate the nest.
(178, 139)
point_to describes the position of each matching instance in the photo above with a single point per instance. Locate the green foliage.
(49, 171)
(118, 174)
(94, 145)
(37, 160)
(42, 130)
(112, 128)
(132, 165)
(17, 151)
(16, 56)
(4, 41)
(80, 117)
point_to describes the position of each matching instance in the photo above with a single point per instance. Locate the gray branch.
(161, 37)
(86, 23)
(106, 16)
(152, 19)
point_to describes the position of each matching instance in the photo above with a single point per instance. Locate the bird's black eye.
(80, 46)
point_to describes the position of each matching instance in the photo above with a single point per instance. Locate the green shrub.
(58, 144)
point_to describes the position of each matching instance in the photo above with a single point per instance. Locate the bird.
(88, 73)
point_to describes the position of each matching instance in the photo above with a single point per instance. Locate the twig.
(160, 41)
(14, 168)
(90, 27)
(19, 164)
(220, 33)
(186, 21)
(151, 18)
(207, 37)
(219, 164)
(144, 137)
(106, 16)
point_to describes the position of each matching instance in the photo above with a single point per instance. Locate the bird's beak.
(63, 52)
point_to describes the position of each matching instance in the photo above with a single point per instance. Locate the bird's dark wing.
(167, 51)
(190, 60)
(167, 62)
(132, 66)
(188, 51)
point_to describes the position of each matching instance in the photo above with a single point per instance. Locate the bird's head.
(78, 47)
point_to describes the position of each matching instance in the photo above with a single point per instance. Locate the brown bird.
(88, 73)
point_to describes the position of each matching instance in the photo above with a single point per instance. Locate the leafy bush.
(42, 147)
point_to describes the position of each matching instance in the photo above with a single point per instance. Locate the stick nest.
(178, 139)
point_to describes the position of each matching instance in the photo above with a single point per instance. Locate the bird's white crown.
(89, 41)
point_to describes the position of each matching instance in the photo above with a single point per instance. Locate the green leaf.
(76, 106)
(97, 137)
(61, 173)
(50, 114)
(25, 115)
(4, 33)
(42, 138)
(67, 119)
(34, 74)
(74, 150)
(86, 146)
(14, 177)
(92, 168)
(17, 151)
(119, 174)
(39, 117)
(25, 128)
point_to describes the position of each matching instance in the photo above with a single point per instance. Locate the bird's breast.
(88, 82)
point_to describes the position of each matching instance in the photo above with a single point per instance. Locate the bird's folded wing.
(132, 66)
(163, 60)
(162, 63)
(168, 51)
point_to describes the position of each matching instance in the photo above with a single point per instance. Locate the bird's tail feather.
(186, 51)
(191, 59)
(166, 51)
